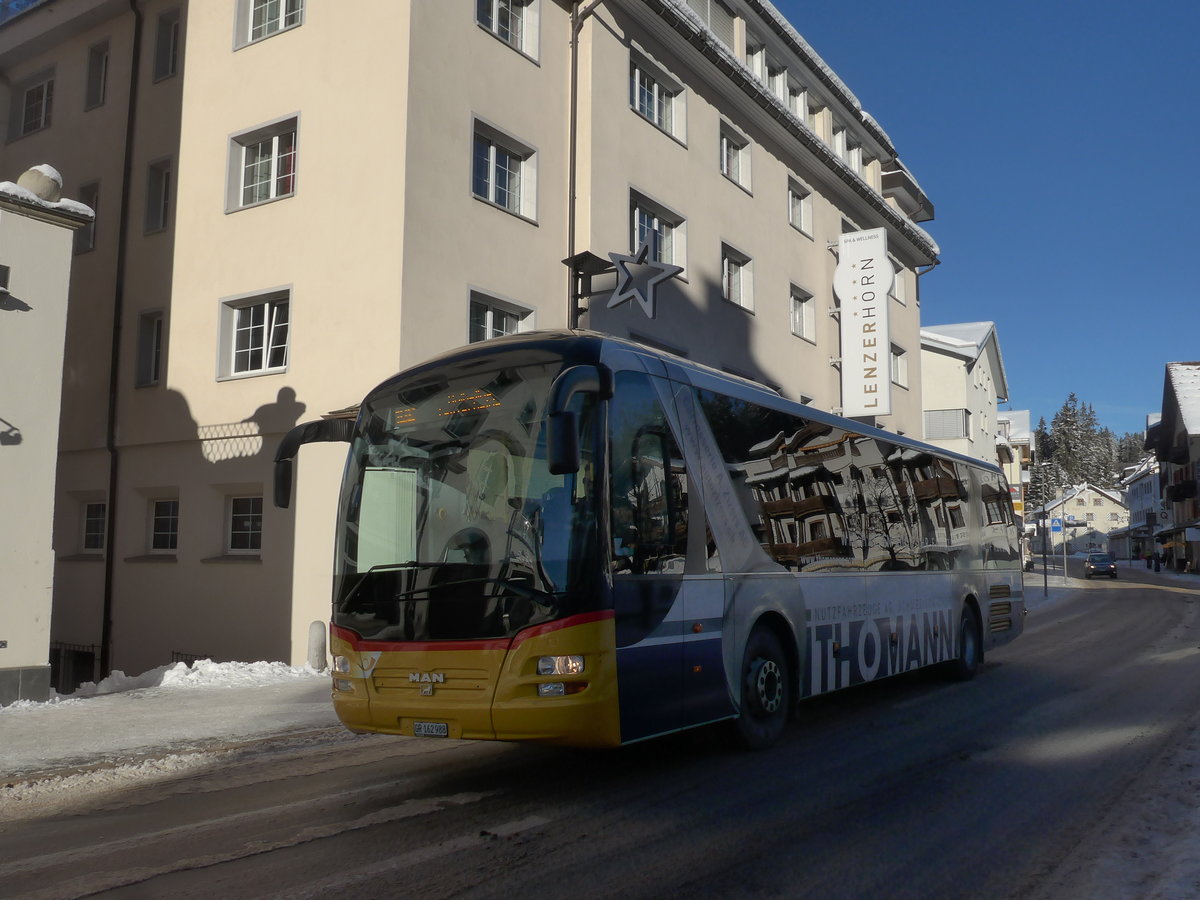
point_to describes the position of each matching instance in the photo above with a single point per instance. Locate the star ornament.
(637, 278)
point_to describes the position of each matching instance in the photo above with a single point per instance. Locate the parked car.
(1100, 564)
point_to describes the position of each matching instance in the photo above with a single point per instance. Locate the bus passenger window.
(649, 483)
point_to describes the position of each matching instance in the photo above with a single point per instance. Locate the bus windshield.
(451, 525)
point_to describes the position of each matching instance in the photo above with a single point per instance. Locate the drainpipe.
(578, 17)
(114, 364)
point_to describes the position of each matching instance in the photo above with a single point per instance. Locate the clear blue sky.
(1059, 143)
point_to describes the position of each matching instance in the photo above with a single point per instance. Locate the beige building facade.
(963, 383)
(292, 207)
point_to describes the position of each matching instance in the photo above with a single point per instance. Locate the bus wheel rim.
(768, 686)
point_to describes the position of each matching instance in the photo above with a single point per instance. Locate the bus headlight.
(560, 665)
(341, 684)
(341, 665)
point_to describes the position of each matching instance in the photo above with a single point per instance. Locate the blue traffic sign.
(1056, 524)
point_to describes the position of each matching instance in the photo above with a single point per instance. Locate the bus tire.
(766, 691)
(970, 647)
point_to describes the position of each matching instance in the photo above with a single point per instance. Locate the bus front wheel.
(766, 691)
(970, 647)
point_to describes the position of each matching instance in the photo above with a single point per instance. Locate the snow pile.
(202, 673)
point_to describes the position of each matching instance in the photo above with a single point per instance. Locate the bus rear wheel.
(766, 691)
(970, 647)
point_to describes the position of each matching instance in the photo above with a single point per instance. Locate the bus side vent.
(996, 591)
(1000, 616)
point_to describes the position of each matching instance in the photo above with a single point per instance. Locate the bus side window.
(649, 483)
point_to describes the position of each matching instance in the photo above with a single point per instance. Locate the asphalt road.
(1010, 785)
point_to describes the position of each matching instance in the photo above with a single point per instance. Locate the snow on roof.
(968, 340)
(1185, 382)
(29, 198)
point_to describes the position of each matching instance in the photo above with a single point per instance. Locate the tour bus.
(573, 539)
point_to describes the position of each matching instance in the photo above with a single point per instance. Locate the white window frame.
(248, 535)
(494, 151)
(490, 15)
(737, 277)
(803, 314)
(656, 96)
(35, 93)
(777, 79)
(735, 156)
(168, 44)
(495, 309)
(165, 511)
(797, 101)
(899, 289)
(898, 366)
(279, 16)
(160, 184)
(670, 245)
(800, 205)
(96, 89)
(92, 540)
(85, 236)
(277, 169)
(756, 58)
(270, 337)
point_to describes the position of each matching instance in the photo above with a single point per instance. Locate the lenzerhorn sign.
(862, 281)
(637, 278)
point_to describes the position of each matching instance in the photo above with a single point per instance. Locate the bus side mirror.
(562, 425)
(308, 433)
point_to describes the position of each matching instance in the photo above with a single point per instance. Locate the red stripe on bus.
(358, 643)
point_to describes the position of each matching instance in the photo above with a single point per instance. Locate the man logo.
(426, 678)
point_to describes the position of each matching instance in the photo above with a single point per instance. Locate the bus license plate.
(431, 729)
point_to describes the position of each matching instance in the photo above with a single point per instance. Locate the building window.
(263, 165)
(258, 19)
(245, 524)
(254, 335)
(1091, 517)
(149, 349)
(735, 157)
(898, 292)
(662, 230)
(85, 236)
(777, 80)
(168, 45)
(804, 315)
(655, 96)
(164, 525)
(95, 525)
(797, 102)
(1080, 502)
(1097, 501)
(158, 195)
(737, 281)
(504, 171)
(34, 103)
(513, 21)
(800, 207)
(756, 59)
(491, 318)
(899, 366)
(97, 76)
(941, 424)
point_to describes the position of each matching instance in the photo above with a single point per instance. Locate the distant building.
(36, 227)
(962, 384)
(1175, 441)
(1088, 514)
